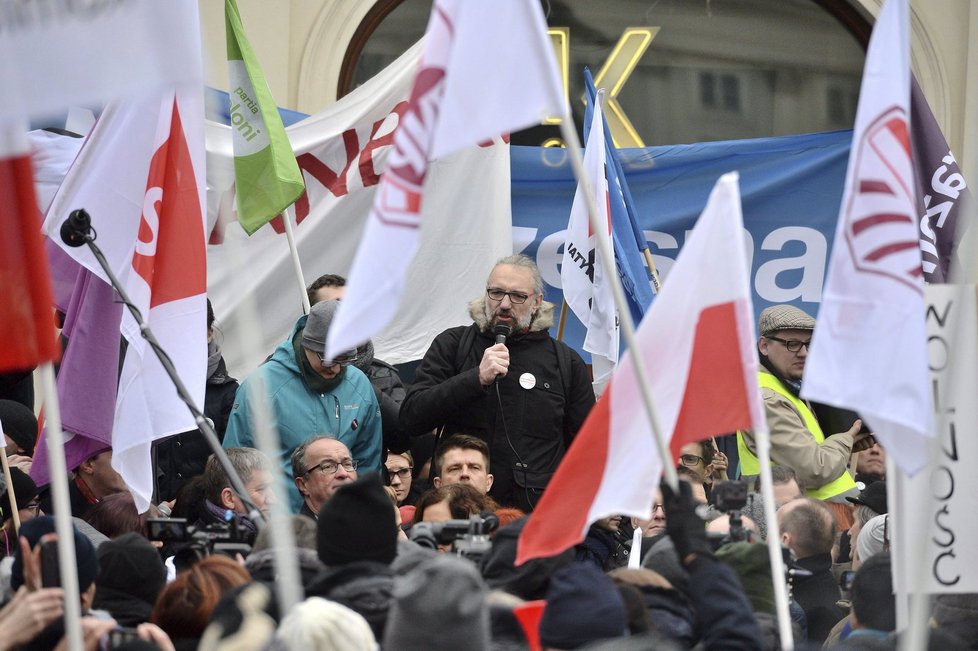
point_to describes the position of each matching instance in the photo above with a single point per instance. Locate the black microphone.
(501, 330)
(77, 228)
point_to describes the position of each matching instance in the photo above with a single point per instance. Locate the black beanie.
(86, 559)
(357, 524)
(131, 565)
(25, 490)
(583, 606)
(20, 424)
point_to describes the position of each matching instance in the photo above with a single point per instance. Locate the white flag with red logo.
(698, 344)
(487, 69)
(586, 289)
(140, 175)
(869, 348)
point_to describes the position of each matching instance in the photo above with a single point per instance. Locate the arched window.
(677, 71)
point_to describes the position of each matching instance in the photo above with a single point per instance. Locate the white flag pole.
(288, 584)
(762, 439)
(287, 215)
(14, 514)
(62, 507)
(624, 315)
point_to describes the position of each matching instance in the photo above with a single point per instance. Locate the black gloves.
(686, 529)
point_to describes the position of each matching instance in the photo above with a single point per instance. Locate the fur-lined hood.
(542, 320)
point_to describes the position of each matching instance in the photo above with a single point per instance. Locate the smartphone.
(167, 530)
(50, 567)
(845, 580)
(121, 636)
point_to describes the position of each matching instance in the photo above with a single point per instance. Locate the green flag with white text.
(267, 178)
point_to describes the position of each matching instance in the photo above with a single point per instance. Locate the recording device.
(468, 538)
(50, 565)
(118, 638)
(191, 543)
(77, 228)
(501, 330)
(730, 498)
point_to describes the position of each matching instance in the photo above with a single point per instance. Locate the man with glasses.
(525, 397)
(797, 441)
(320, 466)
(308, 394)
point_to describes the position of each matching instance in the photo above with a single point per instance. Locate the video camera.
(191, 543)
(730, 498)
(468, 538)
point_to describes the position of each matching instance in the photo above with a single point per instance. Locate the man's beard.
(521, 323)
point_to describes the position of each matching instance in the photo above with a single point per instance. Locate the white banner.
(939, 502)
(342, 152)
(60, 53)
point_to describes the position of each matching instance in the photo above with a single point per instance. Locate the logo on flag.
(877, 233)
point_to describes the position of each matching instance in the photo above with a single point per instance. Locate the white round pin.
(527, 381)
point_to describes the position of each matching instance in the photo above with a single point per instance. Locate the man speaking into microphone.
(505, 380)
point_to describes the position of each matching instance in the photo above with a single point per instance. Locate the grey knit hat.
(317, 325)
(783, 317)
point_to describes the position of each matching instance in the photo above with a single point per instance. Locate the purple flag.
(942, 192)
(88, 376)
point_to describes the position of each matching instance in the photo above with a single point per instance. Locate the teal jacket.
(349, 412)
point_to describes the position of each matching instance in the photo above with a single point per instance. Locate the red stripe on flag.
(558, 521)
(26, 302)
(715, 400)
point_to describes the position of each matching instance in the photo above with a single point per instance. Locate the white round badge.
(527, 381)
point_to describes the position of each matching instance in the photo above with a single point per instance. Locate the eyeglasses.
(343, 359)
(656, 507)
(690, 460)
(34, 505)
(402, 473)
(517, 298)
(793, 345)
(329, 466)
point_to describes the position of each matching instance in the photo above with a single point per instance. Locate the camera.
(191, 543)
(730, 497)
(468, 538)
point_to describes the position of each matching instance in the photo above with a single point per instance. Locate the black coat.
(818, 595)
(182, 457)
(530, 433)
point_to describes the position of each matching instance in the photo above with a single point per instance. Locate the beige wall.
(301, 43)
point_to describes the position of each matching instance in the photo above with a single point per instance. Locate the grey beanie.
(439, 606)
(317, 325)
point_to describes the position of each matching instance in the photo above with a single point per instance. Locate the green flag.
(267, 178)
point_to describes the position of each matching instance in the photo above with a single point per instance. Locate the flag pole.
(563, 320)
(14, 514)
(288, 584)
(653, 271)
(62, 507)
(762, 439)
(287, 216)
(624, 315)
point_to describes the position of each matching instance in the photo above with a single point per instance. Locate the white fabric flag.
(698, 342)
(869, 349)
(518, 84)
(150, 227)
(586, 288)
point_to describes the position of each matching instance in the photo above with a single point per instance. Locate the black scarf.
(316, 382)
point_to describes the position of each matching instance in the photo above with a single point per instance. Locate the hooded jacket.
(529, 425)
(348, 412)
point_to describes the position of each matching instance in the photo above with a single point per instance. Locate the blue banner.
(791, 187)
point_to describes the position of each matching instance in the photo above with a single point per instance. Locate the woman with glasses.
(28, 507)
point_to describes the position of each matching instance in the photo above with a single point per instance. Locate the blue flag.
(628, 239)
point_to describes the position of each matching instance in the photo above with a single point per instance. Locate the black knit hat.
(131, 565)
(873, 496)
(25, 490)
(20, 424)
(357, 524)
(583, 606)
(86, 559)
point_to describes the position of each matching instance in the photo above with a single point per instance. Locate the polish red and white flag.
(698, 345)
(140, 175)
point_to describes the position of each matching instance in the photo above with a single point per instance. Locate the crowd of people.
(409, 499)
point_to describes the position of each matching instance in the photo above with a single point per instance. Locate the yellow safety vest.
(750, 465)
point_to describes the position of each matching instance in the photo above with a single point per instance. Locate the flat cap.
(783, 317)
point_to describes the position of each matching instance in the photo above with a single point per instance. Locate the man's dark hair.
(298, 458)
(459, 442)
(811, 525)
(781, 475)
(872, 594)
(210, 314)
(463, 501)
(327, 280)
